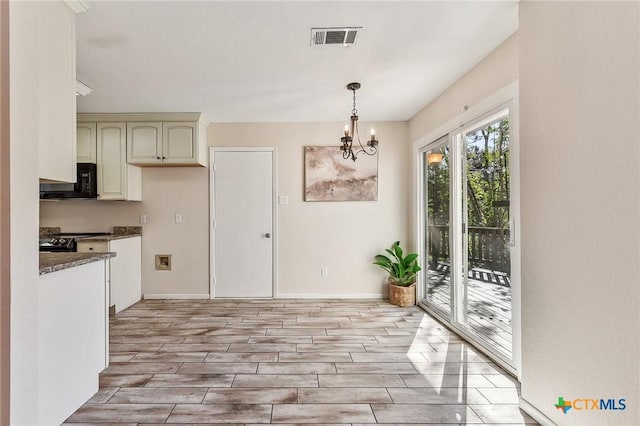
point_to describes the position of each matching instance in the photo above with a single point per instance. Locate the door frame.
(274, 213)
(454, 243)
(507, 97)
(5, 219)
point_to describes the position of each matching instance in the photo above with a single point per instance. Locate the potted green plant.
(402, 274)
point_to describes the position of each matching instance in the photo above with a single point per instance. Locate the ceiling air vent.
(345, 36)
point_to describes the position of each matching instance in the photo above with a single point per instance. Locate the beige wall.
(579, 133)
(493, 73)
(342, 236)
(310, 235)
(166, 192)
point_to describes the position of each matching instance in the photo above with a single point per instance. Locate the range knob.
(62, 241)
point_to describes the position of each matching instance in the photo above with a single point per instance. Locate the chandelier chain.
(354, 111)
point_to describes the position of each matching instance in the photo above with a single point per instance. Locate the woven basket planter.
(402, 296)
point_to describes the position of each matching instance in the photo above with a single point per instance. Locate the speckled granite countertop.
(119, 232)
(52, 262)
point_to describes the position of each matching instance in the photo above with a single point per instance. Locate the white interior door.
(242, 249)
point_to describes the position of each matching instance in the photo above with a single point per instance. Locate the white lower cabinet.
(72, 339)
(125, 270)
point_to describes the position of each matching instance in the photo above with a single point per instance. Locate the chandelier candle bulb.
(373, 134)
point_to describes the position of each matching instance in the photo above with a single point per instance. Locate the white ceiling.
(239, 61)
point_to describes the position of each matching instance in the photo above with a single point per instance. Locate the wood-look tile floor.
(346, 362)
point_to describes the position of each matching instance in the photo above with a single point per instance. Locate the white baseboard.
(174, 296)
(331, 296)
(534, 413)
(150, 296)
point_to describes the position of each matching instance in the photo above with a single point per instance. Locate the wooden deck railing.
(488, 247)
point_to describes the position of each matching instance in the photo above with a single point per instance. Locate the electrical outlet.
(178, 218)
(324, 271)
(143, 219)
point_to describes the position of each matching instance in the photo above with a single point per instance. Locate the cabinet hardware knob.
(158, 158)
(267, 235)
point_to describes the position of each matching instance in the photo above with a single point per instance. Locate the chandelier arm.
(372, 151)
(347, 152)
(359, 141)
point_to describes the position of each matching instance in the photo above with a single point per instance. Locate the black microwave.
(85, 186)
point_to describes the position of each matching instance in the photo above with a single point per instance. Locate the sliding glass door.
(486, 214)
(437, 181)
(467, 225)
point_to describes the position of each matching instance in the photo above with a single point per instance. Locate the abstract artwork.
(329, 177)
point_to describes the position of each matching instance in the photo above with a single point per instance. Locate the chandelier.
(351, 133)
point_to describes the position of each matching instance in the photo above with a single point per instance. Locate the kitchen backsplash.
(46, 231)
(127, 230)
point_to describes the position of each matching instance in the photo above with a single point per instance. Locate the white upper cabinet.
(160, 139)
(154, 143)
(144, 142)
(56, 86)
(166, 143)
(86, 142)
(179, 143)
(117, 180)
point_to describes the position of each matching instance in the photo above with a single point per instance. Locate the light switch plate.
(143, 219)
(178, 218)
(283, 199)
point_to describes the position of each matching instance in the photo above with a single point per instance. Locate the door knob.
(267, 235)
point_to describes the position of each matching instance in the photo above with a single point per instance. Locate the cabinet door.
(70, 313)
(126, 272)
(144, 143)
(179, 143)
(55, 29)
(86, 142)
(112, 161)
